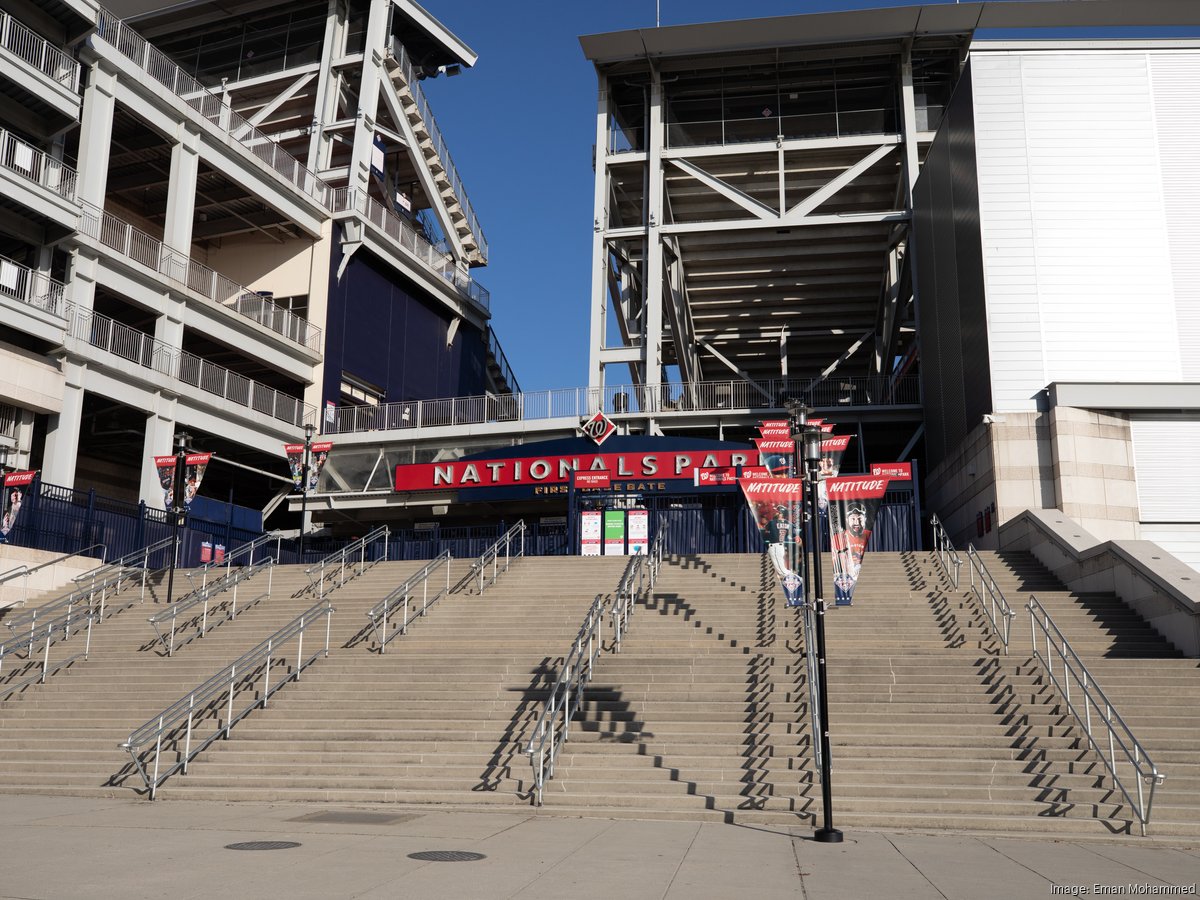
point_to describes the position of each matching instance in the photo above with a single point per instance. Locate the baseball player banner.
(853, 504)
(295, 458)
(776, 505)
(15, 486)
(194, 467)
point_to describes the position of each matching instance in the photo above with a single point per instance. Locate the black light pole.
(827, 834)
(308, 436)
(177, 508)
(797, 422)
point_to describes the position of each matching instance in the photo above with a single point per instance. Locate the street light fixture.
(308, 436)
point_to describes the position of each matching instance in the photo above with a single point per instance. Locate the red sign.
(776, 429)
(766, 445)
(599, 428)
(533, 470)
(900, 471)
(593, 480)
(855, 487)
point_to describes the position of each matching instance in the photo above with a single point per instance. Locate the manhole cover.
(447, 856)
(355, 817)
(263, 845)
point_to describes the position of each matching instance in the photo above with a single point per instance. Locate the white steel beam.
(598, 307)
(798, 145)
(892, 215)
(724, 360)
(819, 196)
(653, 330)
(281, 98)
(728, 191)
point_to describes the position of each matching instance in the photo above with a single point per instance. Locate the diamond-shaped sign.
(599, 428)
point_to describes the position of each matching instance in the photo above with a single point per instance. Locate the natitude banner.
(295, 458)
(15, 486)
(194, 466)
(853, 504)
(776, 505)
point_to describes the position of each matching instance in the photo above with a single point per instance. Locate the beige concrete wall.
(1094, 471)
(1024, 465)
(50, 580)
(262, 264)
(27, 380)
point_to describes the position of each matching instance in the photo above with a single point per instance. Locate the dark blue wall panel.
(383, 329)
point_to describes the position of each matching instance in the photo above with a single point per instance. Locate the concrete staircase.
(61, 737)
(1151, 686)
(442, 717)
(694, 718)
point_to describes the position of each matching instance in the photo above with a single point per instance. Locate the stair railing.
(212, 703)
(485, 570)
(24, 571)
(138, 560)
(399, 600)
(944, 551)
(46, 632)
(990, 597)
(353, 558)
(553, 726)
(1107, 733)
(247, 550)
(201, 597)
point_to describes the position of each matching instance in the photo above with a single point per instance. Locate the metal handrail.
(553, 726)
(247, 548)
(31, 287)
(990, 597)
(24, 571)
(1073, 669)
(31, 47)
(944, 552)
(216, 695)
(48, 631)
(667, 399)
(379, 613)
(334, 565)
(491, 557)
(125, 562)
(202, 595)
(29, 162)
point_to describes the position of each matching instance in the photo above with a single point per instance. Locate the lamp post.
(308, 436)
(178, 509)
(811, 434)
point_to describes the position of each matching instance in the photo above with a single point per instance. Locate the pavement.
(62, 847)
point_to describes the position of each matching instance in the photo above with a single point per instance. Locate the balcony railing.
(31, 163)
(667, 399)
(38, 52)
(30, 287)
(184, 271)
(497, 353)
(350, 200)
(439, 144)
(209, 106)
(140, 348)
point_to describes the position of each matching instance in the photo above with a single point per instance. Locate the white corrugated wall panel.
(1176, 78)
(1181, 541)
(1076, 258)
(1164, 454)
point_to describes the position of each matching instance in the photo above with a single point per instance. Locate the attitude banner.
(776, 505)
(853, 504)
(15, 486)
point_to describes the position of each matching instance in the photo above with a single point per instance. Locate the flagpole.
(177, 507)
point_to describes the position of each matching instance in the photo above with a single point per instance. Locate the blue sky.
(520, 126)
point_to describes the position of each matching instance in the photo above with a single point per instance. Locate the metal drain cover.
(447, 856)
(263, 845)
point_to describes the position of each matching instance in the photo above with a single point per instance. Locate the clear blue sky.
(520, 126)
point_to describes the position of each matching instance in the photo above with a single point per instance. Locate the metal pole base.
(827, 836)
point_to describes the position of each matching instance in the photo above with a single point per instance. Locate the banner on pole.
(194, 466)
(776, 505)
(295, 458)
(853, 504)
(15, 486)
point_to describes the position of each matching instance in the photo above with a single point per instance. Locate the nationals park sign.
(633, 463)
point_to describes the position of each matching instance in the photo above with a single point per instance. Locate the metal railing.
(31, 287)
(400, 55)
(333, 568)
(485, 570)
(46, 632)
(212, 702)
(24, 571)
(183, 271)
(119, 339)
(209, 106)
(1116, 745)
(497, 353)
(404, 234)
(400, 599)
(944, 552)
(553, 726)
(31, 163)
(618, 400)
(137, 560)
(247, 550)
(201, 596)
(990, 597)
(39, 53)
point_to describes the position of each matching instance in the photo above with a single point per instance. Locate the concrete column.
(653, 331)
(159, 441)
(95, 133)
(81, 280)
(325, 108)
(181, 195)
(62, 438)
(599, 298)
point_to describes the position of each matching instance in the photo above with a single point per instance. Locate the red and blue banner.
(15, 486)
(853, 505)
